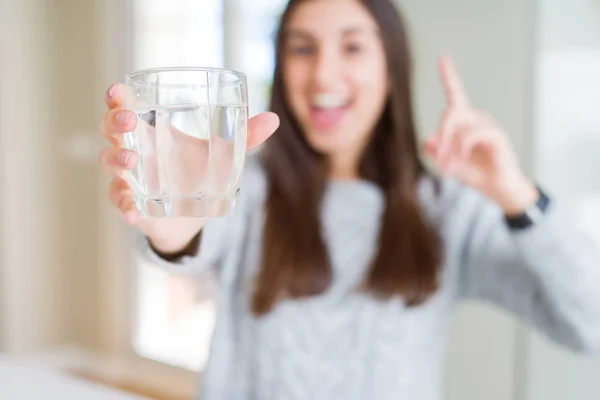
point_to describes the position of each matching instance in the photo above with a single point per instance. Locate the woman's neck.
(343, 168)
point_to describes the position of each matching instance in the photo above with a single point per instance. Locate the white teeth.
(329, 100)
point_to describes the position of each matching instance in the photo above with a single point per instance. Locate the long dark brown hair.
(295, 259)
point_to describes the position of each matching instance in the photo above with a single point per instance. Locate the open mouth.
(328, 110)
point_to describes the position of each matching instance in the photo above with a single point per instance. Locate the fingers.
(472, 140)
(458, 113)
(448, 126)
(431, 145)
(122, 198)
(260, 128)
(456, 95)
(468, 146)
(115, 159)
(120, 95)
(452, 121)
(460, 142)
(115, 96)
(446, 149)
(118, 120)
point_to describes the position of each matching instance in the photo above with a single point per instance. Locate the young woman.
(345, 257)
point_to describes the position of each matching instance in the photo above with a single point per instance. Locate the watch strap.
(531, 215)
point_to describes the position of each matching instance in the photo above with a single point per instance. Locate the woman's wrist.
(517, 197)
(178, 239)
(171, 251)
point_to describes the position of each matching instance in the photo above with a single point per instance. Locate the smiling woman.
(295, 331)
(346, 256)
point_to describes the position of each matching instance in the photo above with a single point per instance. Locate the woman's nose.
(327, 70)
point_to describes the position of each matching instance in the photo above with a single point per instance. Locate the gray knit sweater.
(344, 345)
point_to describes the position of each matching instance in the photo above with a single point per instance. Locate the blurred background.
(72, 295)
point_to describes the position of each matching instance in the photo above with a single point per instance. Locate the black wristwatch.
(531, 215)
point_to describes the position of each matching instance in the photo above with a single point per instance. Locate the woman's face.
(335, 75)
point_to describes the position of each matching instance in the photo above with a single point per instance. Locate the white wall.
(29, 288)
(492, 45)
(52, 76)
(568, 148)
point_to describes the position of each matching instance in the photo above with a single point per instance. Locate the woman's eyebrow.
(303, 34)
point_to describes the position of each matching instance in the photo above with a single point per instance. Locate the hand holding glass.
(191, 139)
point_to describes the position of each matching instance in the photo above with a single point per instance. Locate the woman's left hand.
(472, 147)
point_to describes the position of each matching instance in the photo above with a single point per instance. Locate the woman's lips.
(327, 118)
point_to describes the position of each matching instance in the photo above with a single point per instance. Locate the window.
(261, 18)
(174, 316)
(179, 33)
(569, 122)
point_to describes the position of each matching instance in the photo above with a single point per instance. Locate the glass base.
(178, 207)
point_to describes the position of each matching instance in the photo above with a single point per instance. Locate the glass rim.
(157, 70)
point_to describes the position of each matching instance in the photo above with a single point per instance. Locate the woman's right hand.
(167, 235)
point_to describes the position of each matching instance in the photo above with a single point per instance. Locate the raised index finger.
(455, 92)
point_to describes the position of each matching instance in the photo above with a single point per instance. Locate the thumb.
(260, 127)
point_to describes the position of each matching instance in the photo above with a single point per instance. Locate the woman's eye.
(302, 50)
(353, 48)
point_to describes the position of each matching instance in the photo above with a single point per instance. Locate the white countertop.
(21, 380)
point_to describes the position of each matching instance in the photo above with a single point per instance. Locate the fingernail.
(123, 157)
(123, 117)
(110, 91)
(128, 215)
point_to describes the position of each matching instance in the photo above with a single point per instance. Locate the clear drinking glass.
(190, 138)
